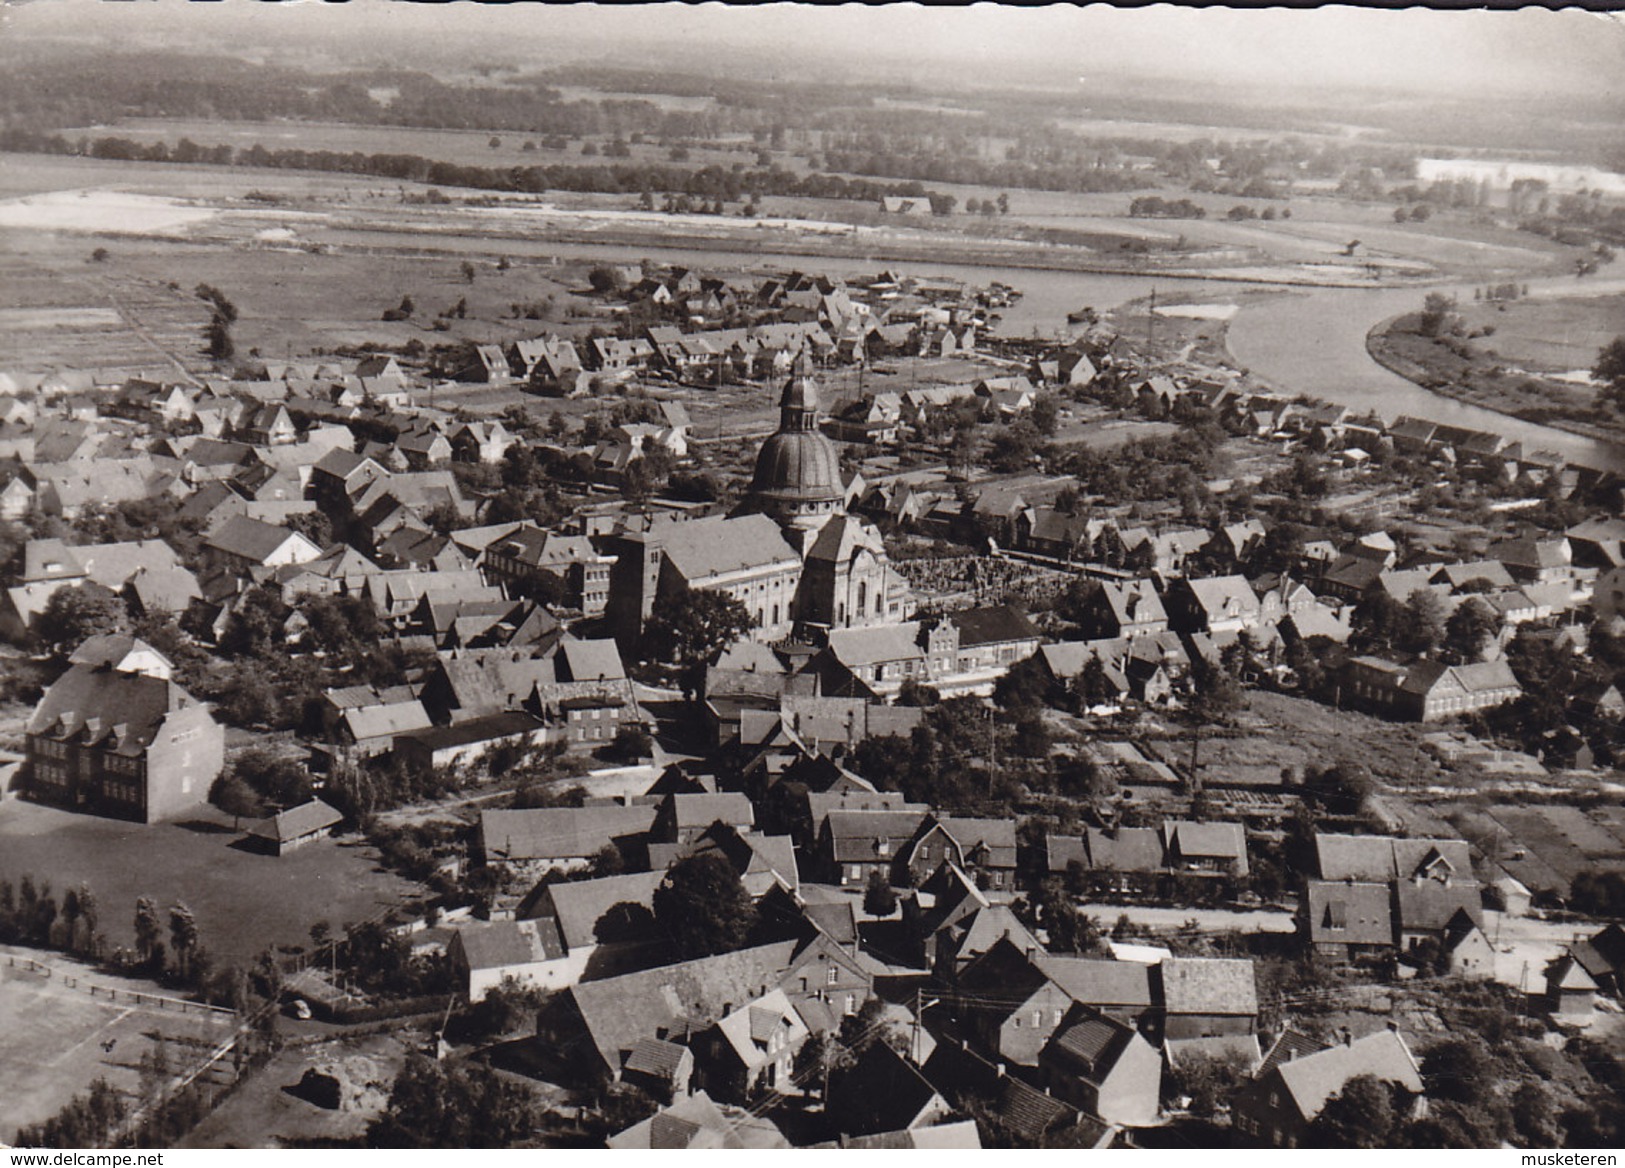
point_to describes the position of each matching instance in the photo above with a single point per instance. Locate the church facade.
(847, 580)
(800, 564)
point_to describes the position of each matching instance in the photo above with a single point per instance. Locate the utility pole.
(1151, 323)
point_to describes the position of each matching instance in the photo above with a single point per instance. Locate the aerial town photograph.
(661, 576)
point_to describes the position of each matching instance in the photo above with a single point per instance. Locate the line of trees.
(706, 182)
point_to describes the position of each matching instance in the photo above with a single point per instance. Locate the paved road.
(1524, 946)
(1214, 920)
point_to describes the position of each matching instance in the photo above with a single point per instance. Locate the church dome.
(797, 465)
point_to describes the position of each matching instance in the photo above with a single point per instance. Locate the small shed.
(1570, 991)
(286, 830)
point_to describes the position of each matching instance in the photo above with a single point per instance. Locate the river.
(1306, 340)
(1313, 342)
(1047, 295)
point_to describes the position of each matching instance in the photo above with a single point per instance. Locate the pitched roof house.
(1277, 1108)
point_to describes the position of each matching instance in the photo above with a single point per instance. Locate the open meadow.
(243, 901)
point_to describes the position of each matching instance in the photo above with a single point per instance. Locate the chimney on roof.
(1348, 1036)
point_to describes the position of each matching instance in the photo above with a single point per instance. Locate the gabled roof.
(1348, 913)
(855, 835)
(998, 836)
(297, 822)
(1220, 840)
(656, 1058)
(1381, 858)
(1222, 595)
(1090, 1045)
(1431, 906)
(882, 1092)
(499, 944)
(386, 721)
(1289, 1046)
(1101, 982)
(558, 833)
(121, 711)
(1129, 849)
(674, 1000)
(855, 648)
(991, 626)
(702, 810)
(1209, 985)
(595, 660)
(578, 905)
(1314, 1078)
(704, 548)
(250, 539)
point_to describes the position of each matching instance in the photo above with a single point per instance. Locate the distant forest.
(706, 182)
(888, 132)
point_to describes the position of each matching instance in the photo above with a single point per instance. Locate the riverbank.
(1464, 371)
(881, 247)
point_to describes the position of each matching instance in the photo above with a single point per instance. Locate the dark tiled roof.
(297, 822)
(655, 1057)
(996, 625)
(1349, 913)
(1029, 1112)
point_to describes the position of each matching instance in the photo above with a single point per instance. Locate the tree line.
(706, 182)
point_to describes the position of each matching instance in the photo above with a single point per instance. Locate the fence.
(113, 994)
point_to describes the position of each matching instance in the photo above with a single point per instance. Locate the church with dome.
(790, 554)
(847, 581)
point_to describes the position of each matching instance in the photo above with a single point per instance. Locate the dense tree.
(703, 908)
(273, 777)
(878, 898)
(1342, 788)
(84, 1122)
(148, 929)
(78, 612)
(1534, 1115)
(1469, 631)
(1378, 620)
(1067, 929)
(1206, 1080)
(255, 628)
(1438, 315)
(236, 798)
(1461, 1069)
(436, 1105)
(183, 937)
(1217, 696)
(1610, 372)
(313, 525)
(1422, 624)
(693, 627)
(1361, 1115)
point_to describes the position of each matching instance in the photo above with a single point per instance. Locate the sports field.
(243, 900)
(57, 1039)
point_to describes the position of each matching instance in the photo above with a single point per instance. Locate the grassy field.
(1553, 336)
(463, 147)
(243, 901)
(56, 1041)
(1513, 369)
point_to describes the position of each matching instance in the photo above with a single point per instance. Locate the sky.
(1531, 51)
